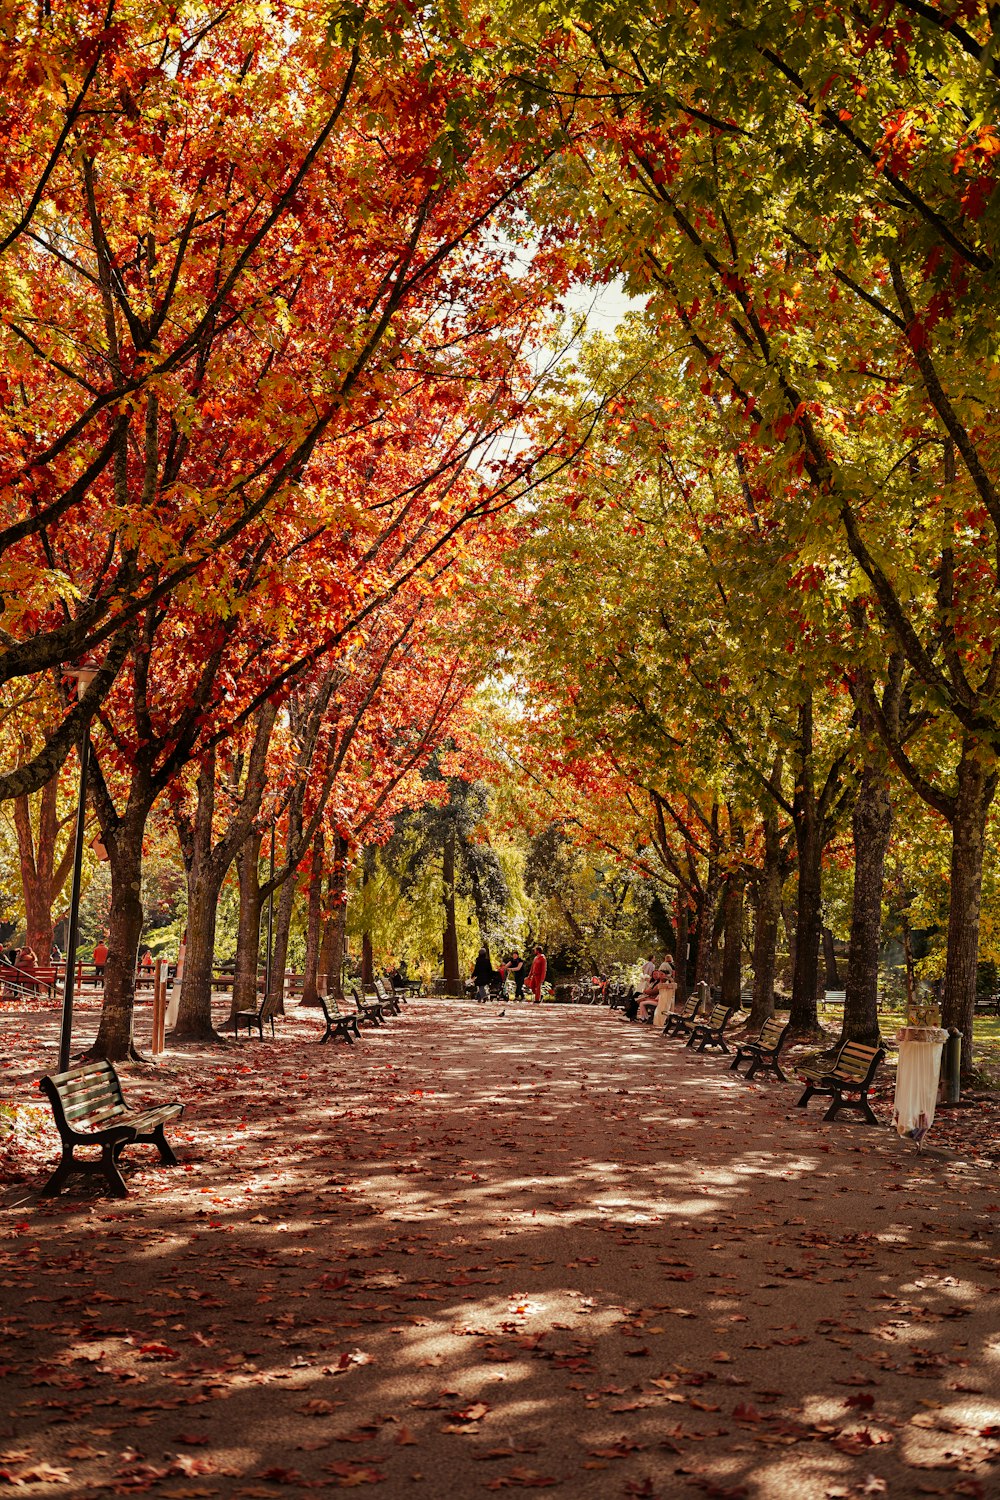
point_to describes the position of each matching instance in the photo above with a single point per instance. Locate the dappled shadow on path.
(483, 1252)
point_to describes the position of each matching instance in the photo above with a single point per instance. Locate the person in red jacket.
(536, 975)
(100, 959)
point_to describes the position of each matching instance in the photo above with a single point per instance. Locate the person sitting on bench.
(659, 998)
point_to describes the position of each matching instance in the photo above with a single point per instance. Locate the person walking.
(536, 975)
(100, 959)
(516, 970)
(482, 973)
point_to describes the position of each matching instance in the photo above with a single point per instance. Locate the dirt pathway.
(542, 1250)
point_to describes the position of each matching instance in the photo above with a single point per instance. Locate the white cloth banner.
(664, 1003)
(917, 1079)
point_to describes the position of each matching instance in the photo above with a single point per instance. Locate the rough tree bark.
(765, 933)
(114, 1039)
(314, 923)
(42, 875)
(976, 788)
(279, 943)
(871, 824)
(248, 929)
(732, 952)
(336, 929)
(204, 883)
(680, 967)
(708, 905)
(207, 860)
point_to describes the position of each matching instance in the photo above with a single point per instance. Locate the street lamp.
(270, 923)
(84, 674)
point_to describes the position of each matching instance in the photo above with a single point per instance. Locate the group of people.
(513, 967)
(656, 999)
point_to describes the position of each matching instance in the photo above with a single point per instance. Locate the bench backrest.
(269, 1006)
(85, 1096)
(380, 989)
(690, 1007)
(772, 1034)
(858, 1060)
(720, 1015)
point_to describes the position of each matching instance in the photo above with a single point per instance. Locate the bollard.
(951, 1066)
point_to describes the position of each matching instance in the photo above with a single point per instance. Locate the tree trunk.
(765, 935)
(832, 975)
(194, 1013)
(336, 928)
(367, 957)
(732, 952)
(114, 1039)
(709, 907)
(314, 922)
(977, 784)
(680, 967)
(204, 882)
(452, 973)
(809, 904)
(805, 975)
(42, 876)
(871, 824)
(248, 931)
(279, 945)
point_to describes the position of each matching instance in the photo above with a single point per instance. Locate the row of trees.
(273, 279)
(265, 333)
(768, 601)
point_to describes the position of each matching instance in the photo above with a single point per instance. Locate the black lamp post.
(270, 923)
(84, 677)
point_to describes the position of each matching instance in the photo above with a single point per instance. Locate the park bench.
(387, 998)
(370, 1012)
(711, 1033)
(680, 1022)
(764, 1051)
(342, 1023)
(89, 1110)
(266, 1011)
(852, 1072)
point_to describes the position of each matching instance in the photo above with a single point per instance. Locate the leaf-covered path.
(483, 1252)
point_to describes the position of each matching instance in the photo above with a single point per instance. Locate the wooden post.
(159, 1005)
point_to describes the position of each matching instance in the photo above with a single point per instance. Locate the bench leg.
(163, 1146)
(740, 1057)
(109, 1166)
(775, 1067)
(809, 1091)
(839, 1103)
(328, 1033)
(54, 1186)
